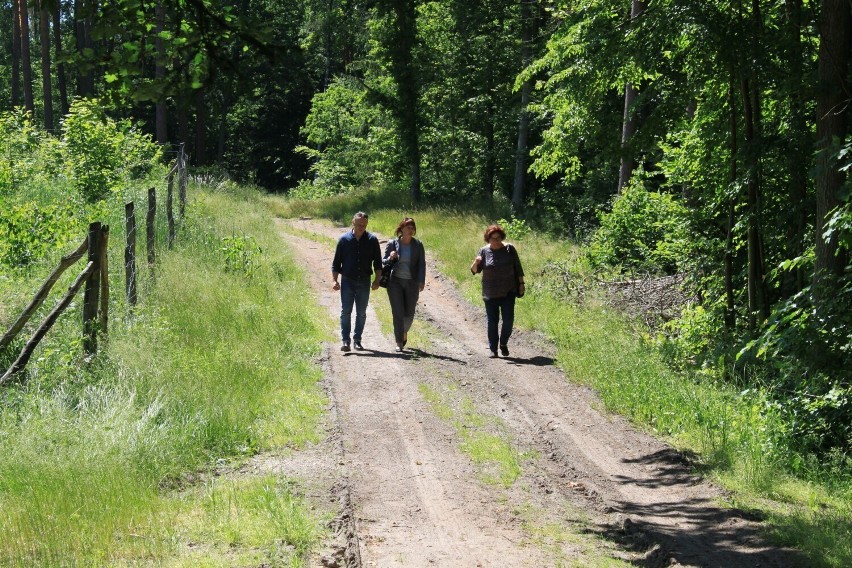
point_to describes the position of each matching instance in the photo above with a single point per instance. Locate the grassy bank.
(731, 435)
(111, 463)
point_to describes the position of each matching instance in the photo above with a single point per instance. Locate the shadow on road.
(407, 354)
(537, 361)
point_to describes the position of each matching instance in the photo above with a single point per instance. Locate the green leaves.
(645, 231)
(29, 232)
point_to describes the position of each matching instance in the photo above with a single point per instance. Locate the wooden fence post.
(130, 253)
(149, 225)
(103, 318)
(92, 292)
(169, 213)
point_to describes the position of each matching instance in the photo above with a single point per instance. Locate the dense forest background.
(708, 139)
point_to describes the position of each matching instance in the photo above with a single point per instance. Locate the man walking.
(356, 257)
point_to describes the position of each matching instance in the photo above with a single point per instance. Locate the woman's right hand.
(392, 256)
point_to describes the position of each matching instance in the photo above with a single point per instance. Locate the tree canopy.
(704, 138)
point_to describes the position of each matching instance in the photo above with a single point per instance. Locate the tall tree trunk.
(327, 44)
(80, 44)
(522, 149)
(16, 54)
(489, 167)
(183, 119)
(730, 306)
(222, 133)
(488, 171)
(26, 62)
(630, 122)
(832, 123)
(757, 305)
(60, 67)
(83, 17)
(797, 151)
(407, 106)
(200, 128)
(46, 73)
(161, 118)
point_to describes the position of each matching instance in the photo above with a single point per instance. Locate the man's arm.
(377, 263)
(336, 265)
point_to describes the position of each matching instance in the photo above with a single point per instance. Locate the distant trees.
(723, 123)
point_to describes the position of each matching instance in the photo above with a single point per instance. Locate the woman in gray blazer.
(405, 257)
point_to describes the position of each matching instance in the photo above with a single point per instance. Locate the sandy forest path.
(411, 497)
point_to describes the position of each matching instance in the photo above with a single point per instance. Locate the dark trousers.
(403, 296)
(493, 308)
(357, 293)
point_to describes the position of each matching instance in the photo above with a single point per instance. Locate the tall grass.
(735, 437)
(215, 364)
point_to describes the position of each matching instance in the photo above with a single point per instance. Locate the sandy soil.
(405, 495)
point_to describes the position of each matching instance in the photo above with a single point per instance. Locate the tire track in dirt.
(416, 497)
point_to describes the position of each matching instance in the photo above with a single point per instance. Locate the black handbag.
(387, 267)
(518, 293)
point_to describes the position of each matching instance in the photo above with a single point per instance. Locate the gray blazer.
(418, 258)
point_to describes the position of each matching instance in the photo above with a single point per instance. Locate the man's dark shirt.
(357, 258)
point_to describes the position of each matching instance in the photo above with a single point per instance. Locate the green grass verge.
(208, 369)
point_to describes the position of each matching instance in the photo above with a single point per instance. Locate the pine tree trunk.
(200, 128)
(757, 305)
(46, 73)
(16, 54)
(60, 67)
(161, 118)
(26, 62)
(730, 306)
(797, 152)
(406, 108)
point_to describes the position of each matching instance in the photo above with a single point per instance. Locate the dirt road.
(410, 497)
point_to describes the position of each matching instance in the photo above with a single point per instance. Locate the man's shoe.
(345, 346)
(504, 350)
(493, 353)
(358, 346)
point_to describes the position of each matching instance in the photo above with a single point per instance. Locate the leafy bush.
(29, 232)
(644, 231)
(19, 140)
(515, 228)
(240, 253)
(101, 153)
(349, 144)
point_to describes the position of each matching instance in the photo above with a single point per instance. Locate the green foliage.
(350, 144)
(515, 228)
(101, 153)
(30, 232)
(241, 254)
(19, 141)
(687, 342)
(645, 231)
